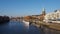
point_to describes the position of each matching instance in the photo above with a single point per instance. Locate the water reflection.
(13, 28)
(34, 30)
(45, 30)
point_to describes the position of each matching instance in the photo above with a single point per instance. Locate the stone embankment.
(40, 24)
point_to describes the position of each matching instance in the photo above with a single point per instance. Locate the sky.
(27, 7)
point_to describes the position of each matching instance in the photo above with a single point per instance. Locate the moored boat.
(26, 23)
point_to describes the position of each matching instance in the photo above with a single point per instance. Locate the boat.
(26, 23)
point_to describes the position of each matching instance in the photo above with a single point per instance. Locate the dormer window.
(55, 11)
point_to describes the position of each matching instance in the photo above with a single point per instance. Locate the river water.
(15, 27)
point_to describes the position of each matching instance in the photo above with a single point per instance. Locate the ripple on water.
(14, 27)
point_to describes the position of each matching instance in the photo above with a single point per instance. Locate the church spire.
(43, 11)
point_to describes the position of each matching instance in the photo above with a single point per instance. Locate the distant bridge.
(16, 19)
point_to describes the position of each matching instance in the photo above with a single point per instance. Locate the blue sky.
(27, 7)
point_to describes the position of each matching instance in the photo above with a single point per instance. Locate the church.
(36, 17)
(41, 16)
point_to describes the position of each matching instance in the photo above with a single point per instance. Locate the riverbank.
(4, 19)
(40, 24)
(55, 26)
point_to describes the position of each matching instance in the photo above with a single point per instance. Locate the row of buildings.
(44, 16)
(36, 17)
(53, 17)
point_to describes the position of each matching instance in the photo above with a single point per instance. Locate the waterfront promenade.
(40, 24)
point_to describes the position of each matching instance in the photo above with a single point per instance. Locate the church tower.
(43, 11)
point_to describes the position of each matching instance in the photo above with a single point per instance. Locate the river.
(15, 27)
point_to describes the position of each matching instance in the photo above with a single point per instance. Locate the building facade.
(54, 15)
